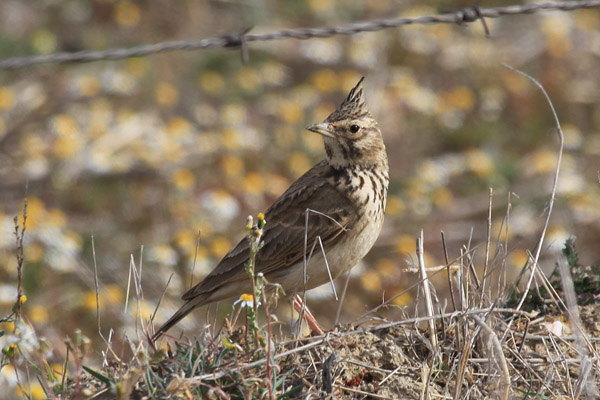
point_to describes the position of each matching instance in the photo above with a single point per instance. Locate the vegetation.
(138, 172)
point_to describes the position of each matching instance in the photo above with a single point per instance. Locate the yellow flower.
(518, 258)
(146, 310)
(211, 82)
(559, 47)
(7, 98)
(113, 294)
(291, 112)
(68, 141)
(229, 345)
(37, 314)
(276, 185)
(586, 19)
(298, 163)
(417, 11)
(43, 42)
(394, 206)
(386, 267)
(325, 80)
(405, 244)
(501, 235)
(321, 112)
(185, 239)
(127, 13)
(348, 78)
(403, 300)
(34, 145)
(57, 370)
(183, 179)
(421, 99)
(56, 218)
(233, 114)
(88, 86)
(320, 5)
(442, 197)
(205, 228)
(253, 183)
(198, 252)
(220, 246)
(7, 326)
(89, 300)
(556, 26)
(137, 66)
(232, 166)
(166, 94)
(480, 163)
(371, 281)
(171, 151)
(231, 139)
(35, 392)
(164, 253)
(273, 73)
(65, 147)
(34, 252)
(179, 127)
(64, 125)
(461, 97)
(403, 80)
(514, 82)
(544, 161)
(248, 79)
(312, 141)
(35, 212)
(246, 300)
(72, 240)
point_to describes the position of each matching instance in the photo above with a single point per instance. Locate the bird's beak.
(321, 129)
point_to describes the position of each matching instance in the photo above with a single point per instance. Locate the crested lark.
(345, 195)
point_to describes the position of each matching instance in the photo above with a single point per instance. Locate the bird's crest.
(353, 107)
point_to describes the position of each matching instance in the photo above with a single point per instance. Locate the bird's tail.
(178, 316)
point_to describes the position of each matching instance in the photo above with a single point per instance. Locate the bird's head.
(351, 135)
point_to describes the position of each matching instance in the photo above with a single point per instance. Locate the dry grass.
(482, 351)
(490, 346)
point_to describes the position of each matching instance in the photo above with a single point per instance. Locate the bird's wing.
(285, 230)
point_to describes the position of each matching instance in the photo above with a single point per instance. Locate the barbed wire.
(240, 39)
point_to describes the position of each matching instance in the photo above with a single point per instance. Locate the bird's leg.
(308, 317)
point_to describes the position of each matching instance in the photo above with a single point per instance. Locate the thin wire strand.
(242, 38)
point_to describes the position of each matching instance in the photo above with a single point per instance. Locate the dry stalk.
(554, 185)
(487, 250)
(584, 383)
(195, 258)
(427, 293)
(269, 366)
(450, 286)
(20, 235)
(499, 356)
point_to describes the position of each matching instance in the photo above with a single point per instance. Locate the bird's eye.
(354, 128)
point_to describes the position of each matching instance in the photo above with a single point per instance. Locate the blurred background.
(161, 158)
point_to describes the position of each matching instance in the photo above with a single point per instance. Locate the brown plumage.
(347, 192)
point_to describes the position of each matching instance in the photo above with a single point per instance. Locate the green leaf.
(98, 375)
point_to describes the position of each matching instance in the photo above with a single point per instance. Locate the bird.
(339, 203)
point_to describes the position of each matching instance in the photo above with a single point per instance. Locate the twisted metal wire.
(240, 39)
